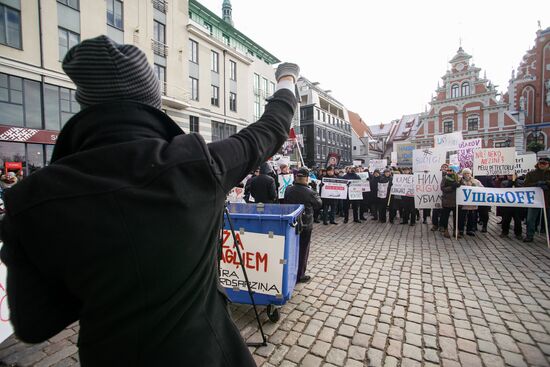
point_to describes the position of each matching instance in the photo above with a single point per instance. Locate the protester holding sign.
(409, 212)
(467, 213)
(373, 194)
(383, 192)
(262, 187)
(540, 177)
(329, 205)
(449, 184)
(352, 175)
(509, 213)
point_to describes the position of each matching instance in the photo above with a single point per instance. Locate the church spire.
(226, 12)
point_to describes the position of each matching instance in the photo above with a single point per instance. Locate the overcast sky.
(383, 59)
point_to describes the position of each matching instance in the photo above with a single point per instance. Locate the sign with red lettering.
(494, 161)
(26, 135)
(334, 188)
(5, 326)
(261, 256)
(13, 165)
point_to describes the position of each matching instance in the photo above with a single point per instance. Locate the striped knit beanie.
(105, 71)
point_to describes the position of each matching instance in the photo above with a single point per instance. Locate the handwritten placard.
(428, 159)
(284, 182)
(427, 190)
(378, 164)
(525, 163)
(448, 142)
(494, 161)
(466, 152)
(403, 185)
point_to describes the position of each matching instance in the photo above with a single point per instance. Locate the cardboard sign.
(236, 195)
(261, 254)
(403, 185)
(428, 159)
(334, 188)
(466, 152)
(382, 190)
(379, 164)
(404, 153)
(355, 190)
(494, 161)
(284, 182)
(427, 190)
(448, 142)
(525, 163)
(5, 326)
(524, 197)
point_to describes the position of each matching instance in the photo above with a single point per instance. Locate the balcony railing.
(159, 48)
(160, 5)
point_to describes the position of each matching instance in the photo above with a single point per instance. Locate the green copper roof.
(202, 12)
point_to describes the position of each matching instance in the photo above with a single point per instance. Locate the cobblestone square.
(391, 295)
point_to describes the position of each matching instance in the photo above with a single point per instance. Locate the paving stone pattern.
(391, 295)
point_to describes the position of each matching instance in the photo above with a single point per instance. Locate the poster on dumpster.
(236, 195)
(525, 163)
(5, 326)
(261, 254)
(466, 152)
(402, 185)
(284, 182)
(334, 188)
(448, 142)
(428, 159)
(404, 153)
(494, 161)
(427, 189)
(355, 190)
(378, 164)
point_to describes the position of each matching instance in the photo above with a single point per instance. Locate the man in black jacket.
(301, 193)
(121, 231)
(262, 187)
(351, 175)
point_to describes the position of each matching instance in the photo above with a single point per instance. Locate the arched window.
(527, 103)
(465, 89)
(537, 136)
(448, 125)
(454, 91)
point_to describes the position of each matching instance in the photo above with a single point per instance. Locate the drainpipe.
(42, 80)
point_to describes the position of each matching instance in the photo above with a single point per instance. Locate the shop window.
(20, 102)
(59, 106)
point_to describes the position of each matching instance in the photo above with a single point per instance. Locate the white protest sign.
(261, 254)
(355, 190)
(365, 185)
(393, 158)
(525, 163)
(448, 142)
(428, 159)
(5, 326)
(466, 152)
(382, 190)
(379, 164)
(427, 190)
(524, 197)
(453, 160)
(494, 161)
(236, 195)
(334, 188)
(402, 185)
(363, 175)
(357, 163)
(284, 182)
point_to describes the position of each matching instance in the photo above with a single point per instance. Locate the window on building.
(215, 98)
(318, 115)
(194, 124)
(215, 62)
(208, 26)
(114, 13)
(473, 123)
(159, 32)
(232, 101)
(454, 91)
(257, 107)
(10, 25)
(465, 89)
(324, 117)
(59, 106)
(272, 89)
(226, 39)
(160, 71)
(194, 88)
(232, 70)
(265, 86)
(67, 40)
(222, 131)
(318, 133)
(448, 126)
(256, 84)
(193, 51)
(71, 3)
(502, 144)
(20, 103)
(536, 136)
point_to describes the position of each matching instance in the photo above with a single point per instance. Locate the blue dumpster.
(268, 237)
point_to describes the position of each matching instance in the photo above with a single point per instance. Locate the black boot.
(484, 228)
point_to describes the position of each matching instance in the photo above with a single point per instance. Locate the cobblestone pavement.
(392, 295)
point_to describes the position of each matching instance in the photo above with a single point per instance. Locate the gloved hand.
(455, 185)
(287, 69)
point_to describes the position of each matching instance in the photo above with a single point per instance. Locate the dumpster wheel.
(273, 313)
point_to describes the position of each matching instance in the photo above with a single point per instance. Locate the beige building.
(182, 40)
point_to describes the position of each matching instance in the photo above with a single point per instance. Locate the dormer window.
(454, 91)
(465, 89)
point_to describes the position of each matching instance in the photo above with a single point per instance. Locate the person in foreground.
(121, 231)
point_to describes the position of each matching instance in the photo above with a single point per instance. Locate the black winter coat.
(263, 189)
(121, 233)
(302, 194)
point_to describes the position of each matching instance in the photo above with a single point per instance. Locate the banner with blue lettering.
(526, 197)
